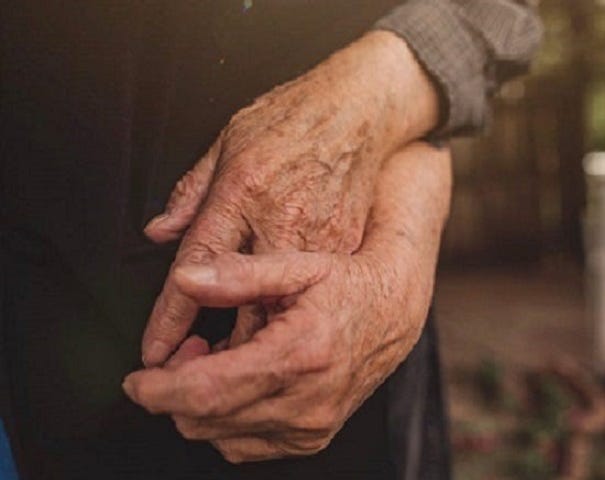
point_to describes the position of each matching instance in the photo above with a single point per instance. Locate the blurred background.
(519, 284)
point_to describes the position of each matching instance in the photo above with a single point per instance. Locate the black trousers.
(69, 419)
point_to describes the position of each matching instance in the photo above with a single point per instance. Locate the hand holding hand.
(338, 325)
(294, 171)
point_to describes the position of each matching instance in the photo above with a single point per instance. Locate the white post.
(594, 242)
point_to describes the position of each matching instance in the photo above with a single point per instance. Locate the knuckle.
(234, 458)
(232, 176)
(280, 375)
(171, 319)
(280, 371)
(186, 428)
(186, 187)
(197, 253)
(316, 357)
(295, 211)
(245, 170)
(201, 403)
(316, 445)
(246, 182)
(236, 123)
(192, 400)
(252, 177)
(324, 421)
(323, 355)
(211, 408)
(189, 435)
(184, 183)
(228, 453)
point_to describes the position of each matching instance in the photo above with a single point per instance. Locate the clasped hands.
(309, 216)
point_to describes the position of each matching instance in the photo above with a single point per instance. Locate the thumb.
(232, 279)
(185, 199)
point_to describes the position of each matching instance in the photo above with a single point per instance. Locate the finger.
(217, 385)
(185, 199)
(250, 319)
(249, 449)
(258, 418)
(171, 318)
(218, 228)
(295, 419)
(191, 348)
(234, 279)
(220, 345)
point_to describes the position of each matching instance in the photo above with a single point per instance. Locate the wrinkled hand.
(293, 172)
(338, 326)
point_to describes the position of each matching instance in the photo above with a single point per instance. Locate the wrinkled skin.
(338, 325)
(293, 172)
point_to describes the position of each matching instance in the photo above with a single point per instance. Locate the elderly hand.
(294, 171)
(338, 326)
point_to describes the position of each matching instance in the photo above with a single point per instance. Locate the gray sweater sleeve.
(468, 47)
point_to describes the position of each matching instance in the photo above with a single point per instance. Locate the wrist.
(411, 202)
(379, 86)
(394, 87)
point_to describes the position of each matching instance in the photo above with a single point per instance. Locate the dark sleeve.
(468, 47)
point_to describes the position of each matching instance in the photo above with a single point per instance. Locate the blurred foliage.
(489, 381)
(574, 45)
(531, 465)
(530, 440)
(550, 401)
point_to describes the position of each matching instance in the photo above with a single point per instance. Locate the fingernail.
(200, 274)
(128, 387)
(155, 221)
(156, 354)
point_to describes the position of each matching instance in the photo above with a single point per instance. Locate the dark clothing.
(104, 104)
